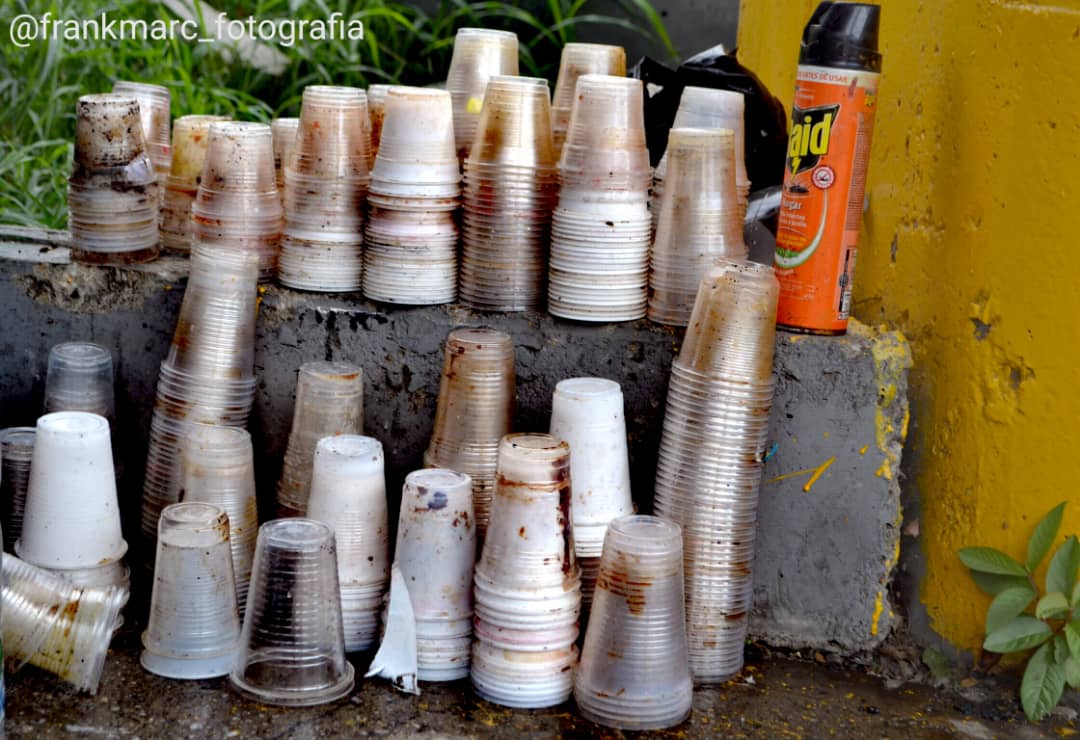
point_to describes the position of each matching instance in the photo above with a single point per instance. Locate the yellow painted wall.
(971, 246)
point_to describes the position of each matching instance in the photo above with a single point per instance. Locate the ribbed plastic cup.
(191, 135)
(329, 402)
(291, 648)
(634, 673)
(605, 140)
(154, 110)
(194, 626)
(417, 143)
(284, 133)
(16, 453)
(437, 525)
(348, 492)
(57, 626)
(479, 54)
(474, 410)
(108, 131)
(581, 59)
(376, 95)
(334, 135)
(80, 378)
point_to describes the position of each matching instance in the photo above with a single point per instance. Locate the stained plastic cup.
(191, 134)
(80, 378)
(417, 142)
(634, 673)
(581, 59)
(376, 95)
(194, 626)
(108, 131)
(523, 680)
(16, 453)
(154, 110)
(479, 54)
(605, 140)
(292, 652)
(284, 134)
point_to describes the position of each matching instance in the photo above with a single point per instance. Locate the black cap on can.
(843, 35)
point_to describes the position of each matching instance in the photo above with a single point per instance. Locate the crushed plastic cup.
(396, 659)
(194, 626)
(292, 651)
(80, 378)
(581, 59)
(284, 135)
(16, 454)
(479, 54)
(191, 135)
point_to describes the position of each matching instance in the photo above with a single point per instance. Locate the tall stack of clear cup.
(511, 186)
(699, 220)
(284, 133)
(410, 242)
(329, 402)
(711, 455)
(599, 267)
(155, 104)
(326, 184)
(376, 98)
(474, 410)
(580, 59)
(237, 206)
(16, 452)
(191, 135)
(479, 55)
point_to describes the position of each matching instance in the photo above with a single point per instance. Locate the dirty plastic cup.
(80, 378)
(417, 142)
(154, 110)
(284, 135)
(16, 453)
(580, 59)
(479, 54)
(605, 140)
(191, 134)
(633, 673)
(194, 626)
(108, 132)
(292, 652)
(376, 95)
(348, 492)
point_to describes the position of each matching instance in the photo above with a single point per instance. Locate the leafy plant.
(1020, 620)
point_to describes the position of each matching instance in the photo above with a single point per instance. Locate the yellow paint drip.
(879, 607)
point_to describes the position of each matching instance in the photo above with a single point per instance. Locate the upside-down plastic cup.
(80, 378)
(16, 453)
(291, 648)
(284, 134)
(436, 525)
(348, 492)
(191, 135)
(376, 95)
(154, 109)
(633, 673)
(479, 54)
(581, 59)
(474, 410)
(194, 626)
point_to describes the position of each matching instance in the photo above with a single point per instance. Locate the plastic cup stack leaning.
(284, 135)
(16, 452)
(410, 242)
(191, 135)
(711, 455)
(71, 523)
(527, 583)
(580, 59)
(705, 107)
(474, 410)
(237, 206)
(216, 467)
(113, 201)
(511, 185)
(588, 414)
(599, 267)
(348, 492)
(329, 402)
(155, 104)
(291, 649)
(80, 378)
(436, 552)
(633, 673)
(479, 54)
(194, 628)
(326, 184)
(376, 97)
(699, 220)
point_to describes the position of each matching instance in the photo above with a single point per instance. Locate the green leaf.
(936, 662)
(1043, 684)
(1074, 600)
(1072, 637)
(1022, 633)
(1043, 536)
(1052, 606)
(1060, 649)
(993, 584)
(1061, 575)
(1072, 671)
(1007, 605)
(989, 560)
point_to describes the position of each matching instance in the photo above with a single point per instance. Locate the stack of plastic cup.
(588, 414)
(325, 186)
(599, 268)
(113, 201)
(511, 186)
(474, 411)
(216, 467)
(376, 96)
(436, 551)
(699, 220)
(71, 523)
(237, 206)
(348, 492)
(194, 627)
(57, 626)
(705, 107)
(284, 134)
(410, 244)
(711, 455)
(80, 378)
(155, 105)
(527, 583)
(329, 402)
(209, 374)
(291, 648)
(191, 134)
(580, 59)
(479, 55)
(16, 452)
(633, 673)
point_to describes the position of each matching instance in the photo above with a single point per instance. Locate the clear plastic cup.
(191, 135)
(284, 134)
(376, 95)
(479, 54)
(194, 626)
(581, 59)
(634, 673)
(334, 135)
(292, 651)
(703, 107)
(605, 139)
(80, 378)
(108, 132)
(154, 110)
(16, 453)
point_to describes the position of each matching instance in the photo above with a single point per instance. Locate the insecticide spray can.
(832, 120)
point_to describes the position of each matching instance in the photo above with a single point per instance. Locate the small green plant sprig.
(1019, 619)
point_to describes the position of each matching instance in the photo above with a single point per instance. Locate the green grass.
(40, 84)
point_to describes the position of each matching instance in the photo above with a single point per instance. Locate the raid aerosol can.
(832, 120)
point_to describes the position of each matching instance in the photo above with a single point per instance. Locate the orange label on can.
(832, 121)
